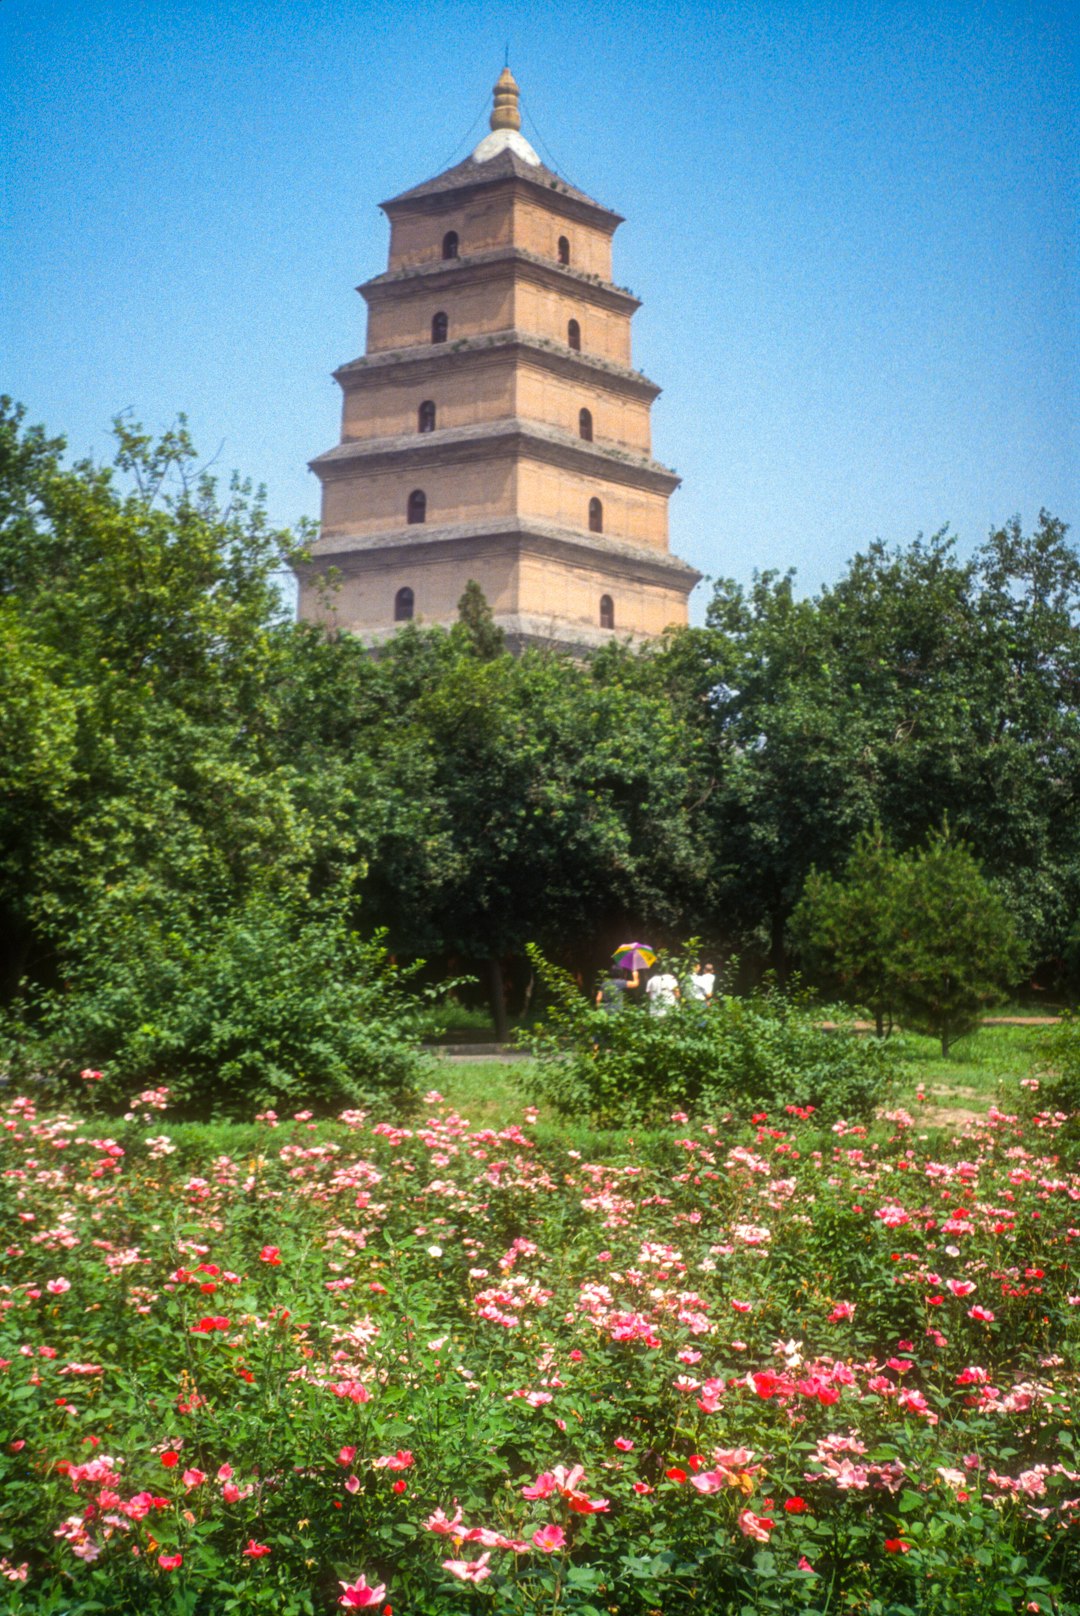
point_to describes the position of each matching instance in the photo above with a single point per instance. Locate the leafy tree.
(175, 827)
(918, 685)
(560, 806)
(956, 946)
(845, 929)
(924, 932)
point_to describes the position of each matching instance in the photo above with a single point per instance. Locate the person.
(663, 993)
(702, 982)
(611, 994)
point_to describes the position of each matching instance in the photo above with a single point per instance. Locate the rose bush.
(297, 1366)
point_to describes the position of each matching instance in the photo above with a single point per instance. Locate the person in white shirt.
(662, 991)
(702, 982)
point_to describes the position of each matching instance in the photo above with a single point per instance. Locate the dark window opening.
(584, 425)
(417, 509)
(403, 606)
(450, 244)
(596, 516)
(564, 250)
(440, 326)
(573, 336)
(425, 416)
(607, 612)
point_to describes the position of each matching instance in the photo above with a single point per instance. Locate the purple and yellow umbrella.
(634, 956)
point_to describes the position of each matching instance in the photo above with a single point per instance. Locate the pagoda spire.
(504, 113)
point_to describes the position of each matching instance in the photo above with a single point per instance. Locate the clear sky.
(853, 226)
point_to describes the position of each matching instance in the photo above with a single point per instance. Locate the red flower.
(170, 1458)
(357, 1594)
(896, 1545)
(270, 1254)
(675, 1474)
(796, 1506)
(256, 1550)
(170, 1562)
(399, 1486)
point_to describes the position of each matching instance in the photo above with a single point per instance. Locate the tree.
(918, 685)
(845, 929)
(560, 805)
(956, 946)
(922, 932)
(179, 836)
(484, 637)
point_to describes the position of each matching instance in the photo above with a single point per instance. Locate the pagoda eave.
(463, 541)
(491, 441)
(436, 360)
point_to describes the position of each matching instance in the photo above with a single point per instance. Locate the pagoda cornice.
(507, 437)
(632, 562)
(448, 192)
(433, 360)
(473, 267)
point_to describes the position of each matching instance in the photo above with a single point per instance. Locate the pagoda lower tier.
(546, 585)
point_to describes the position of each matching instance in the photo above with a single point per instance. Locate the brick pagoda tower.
(495, 428)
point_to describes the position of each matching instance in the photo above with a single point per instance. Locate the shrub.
(739, 1054)
(265, 1007)
(1056, 1087)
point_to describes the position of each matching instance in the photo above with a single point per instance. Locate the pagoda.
(495, 428)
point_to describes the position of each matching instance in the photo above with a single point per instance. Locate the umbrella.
(634, 956)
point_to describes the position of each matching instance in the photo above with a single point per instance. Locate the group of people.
(662, 990)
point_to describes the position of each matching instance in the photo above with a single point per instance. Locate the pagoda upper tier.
(495, 428)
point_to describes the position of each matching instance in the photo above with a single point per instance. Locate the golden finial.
(505, 114)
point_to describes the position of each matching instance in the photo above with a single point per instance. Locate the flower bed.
(724, 1367)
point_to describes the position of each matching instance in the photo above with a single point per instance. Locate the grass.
(491, 1093)
(982, 1069)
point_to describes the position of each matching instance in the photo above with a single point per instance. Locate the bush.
(731, 1054)
(265, 1007)
(1056, 1088)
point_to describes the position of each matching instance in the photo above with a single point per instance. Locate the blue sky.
(853, 226)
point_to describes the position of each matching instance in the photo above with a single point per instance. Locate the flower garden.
(727, 1366)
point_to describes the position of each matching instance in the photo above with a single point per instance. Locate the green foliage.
(922, 931)
(484, 638)
(730, 1054)
(267, 1006)
(1056, 1085)
(956, 946)
(917, 686)
(844, 930)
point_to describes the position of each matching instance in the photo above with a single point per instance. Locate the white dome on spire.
(501, 140)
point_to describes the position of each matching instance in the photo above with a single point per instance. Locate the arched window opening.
(425, 416)
(607, 612)
(450, 244)
(403, 605)
(440, 327)
(573, 336)
(564, 250)
(584, 425)
(417, 508)
(596, 516)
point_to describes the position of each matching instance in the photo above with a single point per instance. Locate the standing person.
(611, 994)
(702, 982)
(663, 993)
